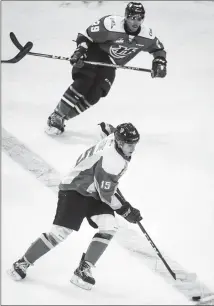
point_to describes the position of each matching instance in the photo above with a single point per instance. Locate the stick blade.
(15, 41)
(27, 47)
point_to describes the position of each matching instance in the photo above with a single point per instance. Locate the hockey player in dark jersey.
(89, 190)
(111, 39)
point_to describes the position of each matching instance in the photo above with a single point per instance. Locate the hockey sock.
(97, 246)
(72, 104)
(40, 247)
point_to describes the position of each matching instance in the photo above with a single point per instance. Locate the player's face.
(134, 22)
(128, 149)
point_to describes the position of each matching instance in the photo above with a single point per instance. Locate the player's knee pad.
(72, 103)
(56, 235)
(98, 91)
(105, 223)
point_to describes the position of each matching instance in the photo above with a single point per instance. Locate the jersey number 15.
(105, 185)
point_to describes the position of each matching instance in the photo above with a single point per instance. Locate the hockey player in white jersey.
(111, 39)
(89, 190)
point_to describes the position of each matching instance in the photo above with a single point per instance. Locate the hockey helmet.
(134, 8)
(126, 133)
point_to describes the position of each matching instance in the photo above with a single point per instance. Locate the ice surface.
(171, 177)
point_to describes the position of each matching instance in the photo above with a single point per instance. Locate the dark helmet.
(134, 8)
(126, 133)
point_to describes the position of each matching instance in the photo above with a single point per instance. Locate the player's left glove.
(106, 128)
(159, 67)
(78, 57)
(130, 213)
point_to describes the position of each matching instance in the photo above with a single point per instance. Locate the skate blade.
(80, 283)
(14, 275)
(52, 131)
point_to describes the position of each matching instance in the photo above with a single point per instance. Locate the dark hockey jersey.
(110, 35)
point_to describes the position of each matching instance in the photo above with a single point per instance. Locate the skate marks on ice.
(129, 239)
(71, 294)
(30, 161)
(140, 247)
(208, 300)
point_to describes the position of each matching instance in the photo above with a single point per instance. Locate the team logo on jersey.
(113, 23)
(131, 38)
(121, 51)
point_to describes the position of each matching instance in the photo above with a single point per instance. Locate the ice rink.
(171, 175)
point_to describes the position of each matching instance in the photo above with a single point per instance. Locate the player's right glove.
(130, 213)
(77, 58)
(159, 67)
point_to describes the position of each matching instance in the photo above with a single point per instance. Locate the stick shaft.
(58, 57)
(156, 250)
(118, 66)
(151, 242)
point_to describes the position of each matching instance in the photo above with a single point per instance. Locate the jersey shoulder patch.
(114, 23)
(146, 32)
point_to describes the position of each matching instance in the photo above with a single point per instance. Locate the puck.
(196, 298)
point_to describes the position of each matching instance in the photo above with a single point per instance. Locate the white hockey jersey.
(97, 172)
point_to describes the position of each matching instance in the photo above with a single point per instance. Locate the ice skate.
(55, 124)
(82, 275)
(18, 270)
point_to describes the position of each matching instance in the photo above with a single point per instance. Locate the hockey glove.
(107, 128)
(77, 59)
(159, 67)
(130, 213)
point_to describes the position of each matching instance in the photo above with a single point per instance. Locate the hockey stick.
(156, 250)
(180, 274)
(23, 51)
(118, 66)
(151, 242)
(19, 46)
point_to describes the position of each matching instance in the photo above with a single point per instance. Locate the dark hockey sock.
(40, 247)
(97, 246)
(72, 104)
